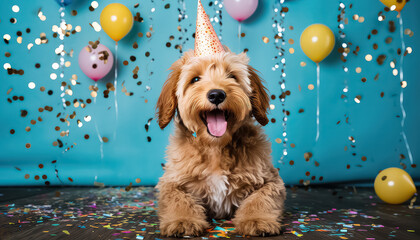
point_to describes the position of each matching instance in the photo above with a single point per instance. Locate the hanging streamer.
(183, 38)
(407, 146)
(61, 33)
(344, 49)
(280, 65)
(216, 19)
(317, 102)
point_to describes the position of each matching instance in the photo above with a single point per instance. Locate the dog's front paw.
(183, 227)
(257, 227)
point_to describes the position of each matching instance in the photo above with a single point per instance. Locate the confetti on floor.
(113, 213)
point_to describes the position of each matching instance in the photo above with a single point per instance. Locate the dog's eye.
(232, 76)
(194, 80)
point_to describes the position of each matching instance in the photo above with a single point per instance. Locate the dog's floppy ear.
(167, 102)
(259, 97)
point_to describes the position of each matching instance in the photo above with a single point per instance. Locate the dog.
(218, 159)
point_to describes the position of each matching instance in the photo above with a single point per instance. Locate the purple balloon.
(96, 63)
(240, 10)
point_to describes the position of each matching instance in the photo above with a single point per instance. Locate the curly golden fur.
(230, 176)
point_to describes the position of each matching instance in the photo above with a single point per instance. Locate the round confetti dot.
(307, 173)
(94, 4)
(368, 57)
(53, 76)
(138, 180)
(41, 165)
(266, 39)
(12, 131)
(311, 87)
(358, 69)
(28, 145)
(15, 8)
(44, 176)
(86, 136)
(36, 177)
(364, 158)
(302, 64)
(27, 176)
(278, 140)
(321, 178)
(28, 129)
(291, 162)
(291, 50)
(395, 72)
(105, 139)
(70, 179)
(31, 85)
(409, 50)
(7, 66)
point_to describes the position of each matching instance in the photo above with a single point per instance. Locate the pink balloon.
(240, 10)
(96, 63)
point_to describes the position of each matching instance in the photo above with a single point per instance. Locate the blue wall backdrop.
(360, 116)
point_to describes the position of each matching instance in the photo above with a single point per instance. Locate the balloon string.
(407, 146)
(115, 92)
(317, 102)
(97, 130)
(239, 36)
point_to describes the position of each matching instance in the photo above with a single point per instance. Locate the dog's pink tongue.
(216, 123)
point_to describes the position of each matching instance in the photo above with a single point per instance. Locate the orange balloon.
(116, 20)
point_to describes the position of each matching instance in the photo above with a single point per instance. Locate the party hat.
(206, 40)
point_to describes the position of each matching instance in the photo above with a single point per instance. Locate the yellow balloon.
(394, 186)
(317, 41)
(399, 4)
(116, 20)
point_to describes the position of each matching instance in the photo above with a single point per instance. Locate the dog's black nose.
(216, 96)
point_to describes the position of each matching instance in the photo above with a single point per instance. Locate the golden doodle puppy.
(218, 160)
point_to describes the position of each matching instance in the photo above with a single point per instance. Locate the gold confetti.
(311, 87)
(302, 64)
(368, 57)
(265, 39)
(358, 69)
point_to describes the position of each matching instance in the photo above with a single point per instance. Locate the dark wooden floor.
(113, 213)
